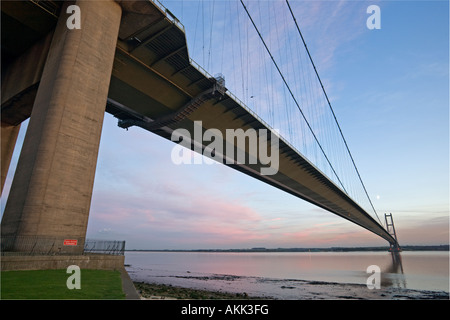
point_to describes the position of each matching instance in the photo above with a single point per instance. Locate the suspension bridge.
(131, 59)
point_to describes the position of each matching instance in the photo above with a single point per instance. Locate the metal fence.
(105, 247)
(24, 245)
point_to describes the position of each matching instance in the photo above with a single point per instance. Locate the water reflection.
(392, 275)
(410, 270)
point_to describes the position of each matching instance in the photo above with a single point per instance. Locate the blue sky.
(389, 89)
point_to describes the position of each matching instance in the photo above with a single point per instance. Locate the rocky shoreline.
(153, 291)
(301, 290)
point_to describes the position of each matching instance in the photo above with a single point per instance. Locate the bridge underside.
(154, 85)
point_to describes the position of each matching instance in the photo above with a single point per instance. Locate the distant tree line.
(444, 247)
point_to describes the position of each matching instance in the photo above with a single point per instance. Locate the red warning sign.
(70, 242)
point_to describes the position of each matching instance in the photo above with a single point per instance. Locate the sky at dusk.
(388, 87)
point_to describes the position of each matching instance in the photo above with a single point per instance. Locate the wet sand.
(227, 287)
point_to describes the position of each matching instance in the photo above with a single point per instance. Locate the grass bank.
(51, 284)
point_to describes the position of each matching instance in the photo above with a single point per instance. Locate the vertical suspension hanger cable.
(223, 38)
(332, 111)
(203, 31)
(291, 93)
(211, 35)
(240, 50)
(194, 47)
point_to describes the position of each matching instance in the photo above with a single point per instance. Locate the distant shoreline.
(331, 249)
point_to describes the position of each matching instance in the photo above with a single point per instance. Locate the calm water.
(415, 270)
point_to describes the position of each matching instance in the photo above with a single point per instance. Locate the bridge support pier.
(9, 135)
(51, 192)
(20, 79)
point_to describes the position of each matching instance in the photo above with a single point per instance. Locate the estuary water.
(274, 274)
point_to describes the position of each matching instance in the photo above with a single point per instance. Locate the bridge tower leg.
(9, 135)
(51, 192)
(394, 247)
(19, 85)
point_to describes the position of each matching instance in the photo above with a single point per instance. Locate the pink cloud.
(193, 216)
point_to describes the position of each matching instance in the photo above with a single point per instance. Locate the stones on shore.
(160, 291)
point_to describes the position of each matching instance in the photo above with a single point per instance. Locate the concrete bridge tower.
(51, 192)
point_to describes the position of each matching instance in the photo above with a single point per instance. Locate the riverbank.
(295, 276)
(153, 291)
(301, 290)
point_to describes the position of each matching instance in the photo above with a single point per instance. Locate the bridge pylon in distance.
(393, 247)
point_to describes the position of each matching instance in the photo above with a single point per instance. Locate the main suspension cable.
(292, 95)
(332, 111)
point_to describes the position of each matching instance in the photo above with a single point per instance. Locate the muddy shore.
(301, 290)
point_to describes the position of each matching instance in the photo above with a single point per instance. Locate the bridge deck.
(155, 82)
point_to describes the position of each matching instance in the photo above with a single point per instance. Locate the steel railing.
(113, 247)
(33, 245)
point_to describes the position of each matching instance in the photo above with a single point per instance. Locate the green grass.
(51, 284)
